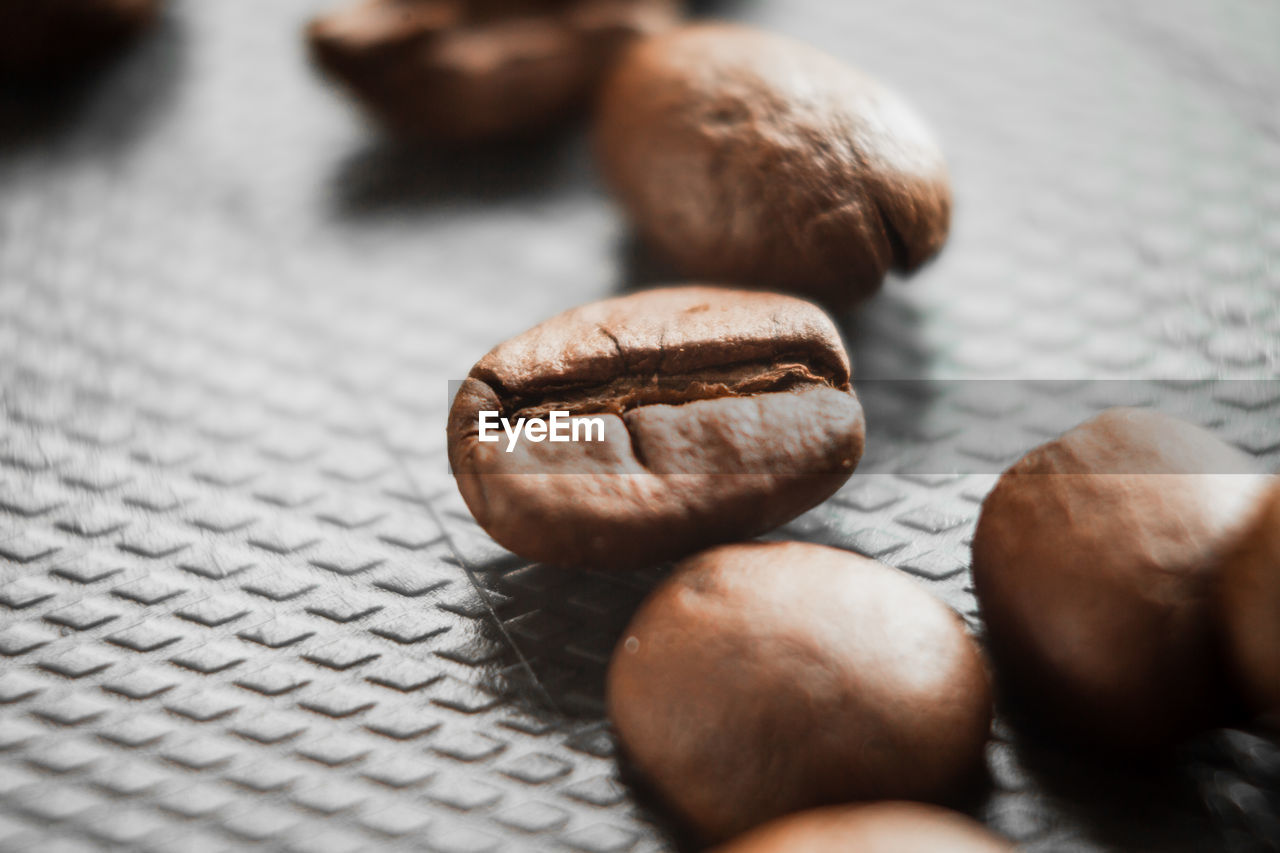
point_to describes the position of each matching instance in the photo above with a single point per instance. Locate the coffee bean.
(1250, 609)
(52, 38)
(762, 679)
(876, 828)
(1094, 561)
(724, 414)
(751, 158)
(461, 70)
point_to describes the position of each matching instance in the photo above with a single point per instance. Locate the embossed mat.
(241, 603)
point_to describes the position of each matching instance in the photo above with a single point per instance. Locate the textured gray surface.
(240, 600)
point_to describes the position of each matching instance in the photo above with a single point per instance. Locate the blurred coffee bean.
(762, 679)
(722, 414)
(1094, 562)
(462, 70)
(750, 158)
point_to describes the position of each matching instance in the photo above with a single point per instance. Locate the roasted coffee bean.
(1250, 609)
(461, 70)
(875, 828)
(1094, 563)
(750, 158)
(53, 38)
(762, 679)
(722, 414)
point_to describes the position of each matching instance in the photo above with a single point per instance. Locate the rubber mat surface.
(241, 603)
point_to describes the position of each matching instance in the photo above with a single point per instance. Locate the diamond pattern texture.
(241, 604)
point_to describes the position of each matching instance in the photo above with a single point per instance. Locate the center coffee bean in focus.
(723, 414)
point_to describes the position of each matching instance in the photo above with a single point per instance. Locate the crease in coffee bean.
(637, 451)
(627, 393)
(617, 344)
(900, 254)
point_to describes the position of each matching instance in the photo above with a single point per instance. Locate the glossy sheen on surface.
(726, 413)
(57, 37)
(746, 157)
(1094, 564)
(1250, 597)
(459, 70)
(762, 679)
(893, 827)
